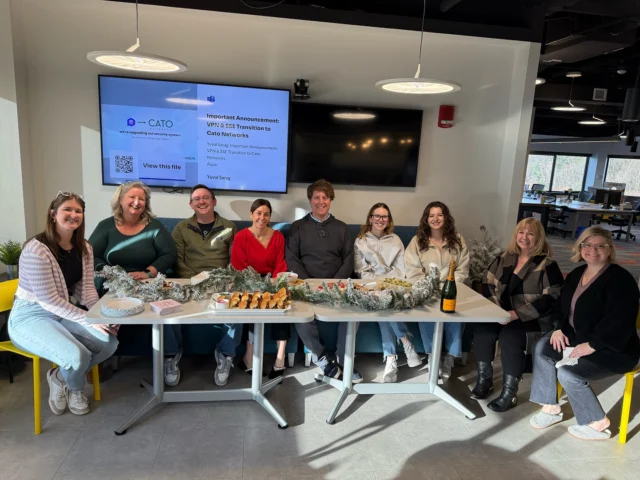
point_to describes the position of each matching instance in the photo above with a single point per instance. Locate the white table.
(471, 307)
(198, 313)
(579, 208)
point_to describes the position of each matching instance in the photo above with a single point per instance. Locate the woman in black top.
(598, 307)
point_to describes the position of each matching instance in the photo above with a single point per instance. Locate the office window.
(557, 171)
(624, 170)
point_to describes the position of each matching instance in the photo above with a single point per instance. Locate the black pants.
(513, 343)
(279, 331)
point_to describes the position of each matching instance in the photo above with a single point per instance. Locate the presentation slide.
(177, 134)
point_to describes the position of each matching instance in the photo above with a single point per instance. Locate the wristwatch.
(148, 272)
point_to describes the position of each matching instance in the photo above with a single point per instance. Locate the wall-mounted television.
(179, 134)
(355, 145)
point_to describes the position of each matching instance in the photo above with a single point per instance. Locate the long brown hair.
(450, 234)
(50, 236)
(366, 226)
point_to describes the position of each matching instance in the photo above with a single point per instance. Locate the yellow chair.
(626, 403)
(7, 292)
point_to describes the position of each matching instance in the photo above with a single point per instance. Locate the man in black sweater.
(320, 246)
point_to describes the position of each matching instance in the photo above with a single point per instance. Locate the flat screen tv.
(179, 134)
(354, 145)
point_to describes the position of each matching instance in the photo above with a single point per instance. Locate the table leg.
(157, 340)
(347, 373)
(575, 225)
(435, 389)
(257, 388)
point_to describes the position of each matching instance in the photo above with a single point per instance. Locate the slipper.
(544, 420)
(585, 432)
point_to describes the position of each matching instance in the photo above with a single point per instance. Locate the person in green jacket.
(204, 242)
(135, 240)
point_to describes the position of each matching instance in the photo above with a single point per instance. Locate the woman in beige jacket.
(437, 242)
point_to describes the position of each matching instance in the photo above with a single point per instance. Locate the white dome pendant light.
(417, 85)
(138, 62)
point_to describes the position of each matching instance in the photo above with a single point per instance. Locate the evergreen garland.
(118, 281)
(227, 279)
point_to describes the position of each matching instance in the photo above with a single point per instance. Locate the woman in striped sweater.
(56, 265)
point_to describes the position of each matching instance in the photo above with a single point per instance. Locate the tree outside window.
(556, 171)
(625, 170)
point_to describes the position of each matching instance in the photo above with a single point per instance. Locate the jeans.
(451, 340)
(574, 380)
(75, 347)
(513, 343)
(310, 336)
(172, 340)
(391, 333)
(228, 344)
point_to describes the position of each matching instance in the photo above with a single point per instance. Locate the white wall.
(12, 223)
(472, 167)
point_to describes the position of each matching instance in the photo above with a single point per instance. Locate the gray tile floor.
(400, 437)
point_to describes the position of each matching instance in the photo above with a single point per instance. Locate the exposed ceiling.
(594, 37)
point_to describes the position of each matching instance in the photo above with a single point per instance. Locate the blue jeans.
(228, 344)
(391, 333)
(75, 347)
(451, 342)
(172, 340)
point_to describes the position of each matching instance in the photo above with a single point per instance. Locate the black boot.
(508, 397)
(484, 386)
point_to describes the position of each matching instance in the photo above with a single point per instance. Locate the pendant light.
(418, 85)
(571, 107)
(595, 120)
(138, 62)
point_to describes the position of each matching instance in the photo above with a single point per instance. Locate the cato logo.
(211, 99)
(160, 123)
(131, 122)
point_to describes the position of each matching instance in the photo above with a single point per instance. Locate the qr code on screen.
(124, 163)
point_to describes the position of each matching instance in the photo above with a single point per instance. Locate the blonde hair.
(590, 232)
(116, 208)
(541, 247)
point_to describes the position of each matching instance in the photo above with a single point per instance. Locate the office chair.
(558, 218)
(621, 222)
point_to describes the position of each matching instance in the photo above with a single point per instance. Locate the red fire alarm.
(445, 116)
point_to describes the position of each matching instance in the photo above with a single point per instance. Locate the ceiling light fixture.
(540, 81)
(418, 85)
(354, 115)
(571, 107)
(574, 75)
(138, 62)
(595, 120)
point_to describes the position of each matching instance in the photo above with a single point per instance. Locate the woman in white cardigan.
(438, 242)
(380, 253)
(55, 265)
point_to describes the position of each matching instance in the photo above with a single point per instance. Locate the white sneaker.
(57, 396)
(391, 370)
(172, 371)
(413, 359)
(78, 402)
(223, 369)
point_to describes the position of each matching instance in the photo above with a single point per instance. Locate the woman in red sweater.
(262, 248)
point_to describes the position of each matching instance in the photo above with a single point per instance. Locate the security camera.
(300, 89)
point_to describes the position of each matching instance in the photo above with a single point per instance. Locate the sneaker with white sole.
(78, 402)
(223, 369)
(172, 371)
(57, 395)
(446, 364)
(413, 359)
(391, 370)
(329, 367)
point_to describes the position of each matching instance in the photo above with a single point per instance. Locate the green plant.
(539, 192)
(10, 252)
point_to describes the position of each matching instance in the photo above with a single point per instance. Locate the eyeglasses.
(598, 246)
(206, 198)
(380, 217)
(69, 194)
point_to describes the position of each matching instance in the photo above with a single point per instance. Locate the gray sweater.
(320, 249)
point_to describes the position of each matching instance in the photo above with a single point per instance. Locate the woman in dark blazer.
(598, 307)
(526, 282)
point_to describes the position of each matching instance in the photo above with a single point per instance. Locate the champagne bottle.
(449, 291)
